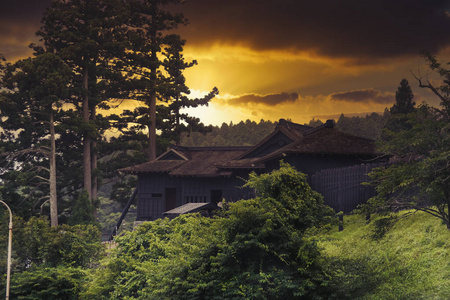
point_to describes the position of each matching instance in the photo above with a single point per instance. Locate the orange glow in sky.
(288, 59)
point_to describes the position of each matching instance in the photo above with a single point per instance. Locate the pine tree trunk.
(94, 193)
(87, 172)
(152, 105)
(152, 128)
(177, 120)
(53, 195)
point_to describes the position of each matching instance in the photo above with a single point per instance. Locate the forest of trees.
(249, 133)
(58, 171)
(244, 133)
(54, 105)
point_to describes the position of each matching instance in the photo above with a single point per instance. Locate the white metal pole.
(8, 272)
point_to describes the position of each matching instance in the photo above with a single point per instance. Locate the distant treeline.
(369, 126)
(248, 133)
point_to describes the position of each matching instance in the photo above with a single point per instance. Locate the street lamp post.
(8, 272)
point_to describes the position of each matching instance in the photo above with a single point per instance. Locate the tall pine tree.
(87, 36)
(38, 87)
(403, 106)
(404, 96)
(156, 65)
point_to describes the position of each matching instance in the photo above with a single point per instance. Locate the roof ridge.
(181, 155)
(292, 126)
(210, 148)
(281, 129)
(315, 129)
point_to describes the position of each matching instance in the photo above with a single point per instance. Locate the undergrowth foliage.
(49, 262)
(410, 261)
(257, 249)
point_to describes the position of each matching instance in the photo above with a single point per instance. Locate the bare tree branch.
(429, 86)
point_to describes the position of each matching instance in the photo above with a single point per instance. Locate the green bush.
(257, 249)
(48, 283)
(36, 243)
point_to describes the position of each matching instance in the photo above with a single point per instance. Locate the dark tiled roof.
(326, 140)
(293, 135)
(244, 163)
(293, 127)
(220, 161)
(202, 162)
(157, 166)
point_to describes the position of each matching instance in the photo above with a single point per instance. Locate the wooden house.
(187, 179)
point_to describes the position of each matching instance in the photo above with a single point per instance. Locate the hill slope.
(411, 261)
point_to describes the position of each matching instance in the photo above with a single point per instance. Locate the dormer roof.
(190, 161)
(284, 134)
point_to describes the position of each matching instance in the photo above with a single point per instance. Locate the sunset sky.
(289, 58)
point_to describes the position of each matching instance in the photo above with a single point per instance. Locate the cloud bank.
(364, 31)
(361, 30)
(269, 100)
(365, 95)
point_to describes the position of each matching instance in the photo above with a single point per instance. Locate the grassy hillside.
(411, 261)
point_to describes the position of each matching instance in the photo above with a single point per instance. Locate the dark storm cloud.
(19, 21)
(367, 95)
(362, 30)
(23, 10)
(270, 100)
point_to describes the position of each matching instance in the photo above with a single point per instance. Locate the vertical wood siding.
(152, 188)
(342, 188)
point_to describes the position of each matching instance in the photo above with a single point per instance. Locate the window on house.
(195, 199)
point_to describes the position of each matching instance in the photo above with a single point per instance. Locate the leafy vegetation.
(49, 283)
(178, 259)
(256, 249)
(276, 246)
(284, 244)
(49, 262)
(419, 178)
(53, 137)
(35, 243)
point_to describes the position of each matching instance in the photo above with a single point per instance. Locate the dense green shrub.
(47, 261)
(36, 243)
(48, 283)
(257, 249)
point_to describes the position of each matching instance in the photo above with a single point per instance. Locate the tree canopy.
(419, 177)
(35, 90)
(404, 103)
(93, 55)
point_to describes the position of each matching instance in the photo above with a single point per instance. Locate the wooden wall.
(312, 163)
(152, 189)
(342, 188)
